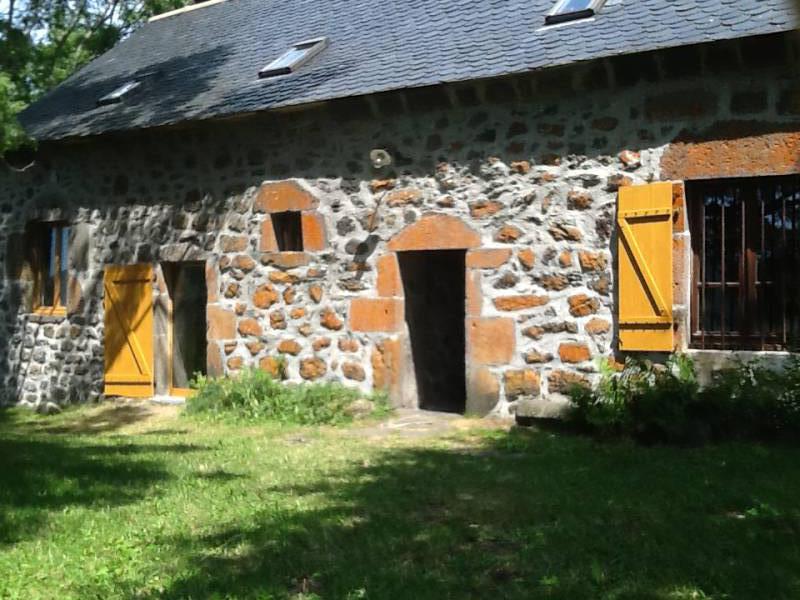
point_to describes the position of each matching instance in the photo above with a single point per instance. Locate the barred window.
(746, 271)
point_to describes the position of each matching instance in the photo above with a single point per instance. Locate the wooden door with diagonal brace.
(128, 308)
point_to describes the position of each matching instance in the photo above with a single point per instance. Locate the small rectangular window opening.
(294, 58)
(570, 10)
(49, 248)
(288, 231)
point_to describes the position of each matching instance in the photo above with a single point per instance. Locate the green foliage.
(664, 403)
(254, 395)
(42, 42)
(11, 134)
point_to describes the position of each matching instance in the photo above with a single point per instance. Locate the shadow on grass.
(112, 417)
(521, 516)
(41, 473)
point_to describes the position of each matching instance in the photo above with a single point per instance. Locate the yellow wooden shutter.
(128, 308)
(644, 221)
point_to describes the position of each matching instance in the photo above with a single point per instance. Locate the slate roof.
(206, 60)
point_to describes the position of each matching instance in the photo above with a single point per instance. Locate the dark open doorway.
(434, 287)
(186, 283)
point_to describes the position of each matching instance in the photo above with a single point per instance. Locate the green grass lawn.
(186, 509)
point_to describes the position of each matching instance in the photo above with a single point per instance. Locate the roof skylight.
(117, 95)
(570, 10)
(294, 58)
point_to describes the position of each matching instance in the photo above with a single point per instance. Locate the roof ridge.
(184, 9)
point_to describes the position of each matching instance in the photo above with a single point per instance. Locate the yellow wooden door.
(644, 220)
(128, 308)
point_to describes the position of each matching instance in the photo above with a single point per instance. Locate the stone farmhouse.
(466, 204)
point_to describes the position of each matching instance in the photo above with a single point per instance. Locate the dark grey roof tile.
(207, 59)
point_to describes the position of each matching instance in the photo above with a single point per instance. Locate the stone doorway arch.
(489, 341)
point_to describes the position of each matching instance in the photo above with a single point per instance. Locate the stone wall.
(521, 174)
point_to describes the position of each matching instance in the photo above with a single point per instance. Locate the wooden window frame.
(41, 238)
(751, 309)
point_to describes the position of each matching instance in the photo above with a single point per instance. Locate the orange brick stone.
(235, 363)
(526, 258)
(282, 277)
(404, 197)
(250, 327)
(733, 149)
(376, 314)
(315, 291)
(554, 282)
(678, 208)
(562, 381)
(212, 282)
(289, 347)
(508, 234)
(313, 225)
(232, 290)
(297, 313)
(233, 243)
(565, 259)
(286, 259)
(330, 320)
(522, 382)
(581, 305)
(474, 294)
(214, 360)
(592, 261)
(381, 185)
(484, 208)
(282, 196)
(265, 296)
(483, 391)
(268, 242)
(255, 347)
(273, 366)
(221, 323)
(353, 371)
(490, 341)
(597, 326)
(573, 353)
(277, 319)
(435, 232)
(488, 258)
(348, 345)
(522, 167)
(244, 263)
(386, 363)
(520, 302)
(389, 283)
(321, 343)
(312, 368)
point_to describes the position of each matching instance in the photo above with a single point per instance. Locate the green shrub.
(254, 395)
(753, 401)
(663, 403)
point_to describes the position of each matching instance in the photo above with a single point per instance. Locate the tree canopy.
(42, 42)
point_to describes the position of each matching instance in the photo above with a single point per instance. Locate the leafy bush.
(755, 401)
(253, 394)
(664, 403)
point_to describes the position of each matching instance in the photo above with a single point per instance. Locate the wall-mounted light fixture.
(380, 158)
